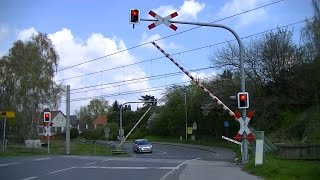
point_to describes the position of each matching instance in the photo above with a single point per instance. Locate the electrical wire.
(134, 81)
(187, 51)
(157, 88)
(111, 54)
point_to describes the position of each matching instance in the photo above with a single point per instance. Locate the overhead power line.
(157, 88)
(137, 80)
(111, 54)
(186, 51)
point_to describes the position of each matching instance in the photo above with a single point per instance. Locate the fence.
(298, 151)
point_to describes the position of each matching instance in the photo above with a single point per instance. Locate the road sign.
(7, 114)
(47, 131)
(244, 126)
(226, 124)
(106, 130)
(164, 20)
(189, 130)
(194, 126)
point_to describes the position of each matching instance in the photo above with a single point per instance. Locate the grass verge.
(274, 168)
(57, 147)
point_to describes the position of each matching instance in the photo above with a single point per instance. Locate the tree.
(27, 74)
(148, 100)
(311, 34)
(116, 106)
(98, 107)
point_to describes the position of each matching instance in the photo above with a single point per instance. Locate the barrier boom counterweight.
(220, 103)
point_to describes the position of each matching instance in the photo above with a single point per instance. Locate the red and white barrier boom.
(229, 111)
(236, 116)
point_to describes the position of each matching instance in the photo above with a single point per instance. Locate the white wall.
(59, 120)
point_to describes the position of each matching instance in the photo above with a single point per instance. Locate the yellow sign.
(7, 114)
(189, 130)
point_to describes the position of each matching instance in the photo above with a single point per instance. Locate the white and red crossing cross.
(164, 20)
(47, 131)
(244, 126)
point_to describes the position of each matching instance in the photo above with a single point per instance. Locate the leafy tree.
(116, 106)
(27, 73)
(74, 133)
(148, 100)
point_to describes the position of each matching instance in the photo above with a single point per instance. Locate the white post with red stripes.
(220, 103)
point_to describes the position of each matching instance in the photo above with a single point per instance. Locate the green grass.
(57, 147)
(274, 168)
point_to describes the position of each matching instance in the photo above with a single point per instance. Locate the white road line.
(106, 160)
(61, 170)
(177, 167)
(30, 178)
(8, 164)
(126, 168)
(90, 163)
(41, 159)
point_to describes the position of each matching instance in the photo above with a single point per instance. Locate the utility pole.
(68, 121)
(186, 111)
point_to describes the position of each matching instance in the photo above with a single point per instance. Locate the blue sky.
(84, 30)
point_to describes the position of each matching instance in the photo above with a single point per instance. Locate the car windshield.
(143, 142)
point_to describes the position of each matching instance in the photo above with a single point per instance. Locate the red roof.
(101, 120)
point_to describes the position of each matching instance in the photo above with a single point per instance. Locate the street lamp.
(185, 104)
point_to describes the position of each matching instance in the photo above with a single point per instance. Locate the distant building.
(100, 121)
(58, 120)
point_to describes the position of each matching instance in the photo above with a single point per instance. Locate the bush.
(74, 133)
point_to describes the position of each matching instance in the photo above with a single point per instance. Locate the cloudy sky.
(102, 55)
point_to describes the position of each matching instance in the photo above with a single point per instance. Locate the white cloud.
(4, 31)
(189, 10)
(237, 6)
(162, 43)
(199, 76)
(73, 51)
(26, 34)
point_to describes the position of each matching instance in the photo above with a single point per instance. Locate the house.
(58, 120)
(100, 121)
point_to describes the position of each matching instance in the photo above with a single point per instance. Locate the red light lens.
(243, 97)
(134, 13)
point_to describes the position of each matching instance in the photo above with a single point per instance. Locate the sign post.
(5, 115)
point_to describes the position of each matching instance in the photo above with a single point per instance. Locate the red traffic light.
(47, 117)
(134, 16)
(243, 100)
(134, 12)
(243, 97)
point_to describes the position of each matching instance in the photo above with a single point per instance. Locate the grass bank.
(274, 168)
(57, 147)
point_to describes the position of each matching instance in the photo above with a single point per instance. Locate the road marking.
(162, 153)
(8, 164)
(126, 168)
(30, 178)
(99, 162)
(177, 167)
(90, 163)
(106, 160)
(62, 170)
(41, 159)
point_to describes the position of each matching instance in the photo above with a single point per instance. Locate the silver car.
(142, 145)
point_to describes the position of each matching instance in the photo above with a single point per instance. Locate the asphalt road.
(166, 162)
(165, 151)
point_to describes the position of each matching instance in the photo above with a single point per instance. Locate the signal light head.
(134, 16)
(243, 100)
(47, 117)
